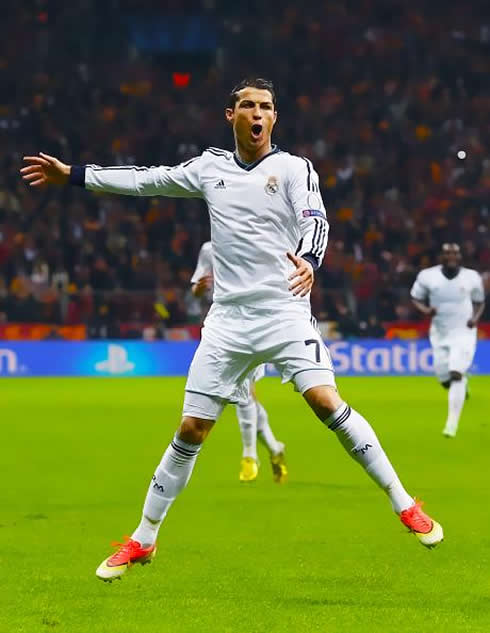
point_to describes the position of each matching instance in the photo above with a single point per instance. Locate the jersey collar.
(250, 166)
(450, 277)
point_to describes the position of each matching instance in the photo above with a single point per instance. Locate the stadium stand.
(391, 102)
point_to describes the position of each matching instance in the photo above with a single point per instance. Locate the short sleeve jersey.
(204, 267)
(452, 298)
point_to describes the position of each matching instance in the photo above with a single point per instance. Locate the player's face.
(252, 118)
(451, 257)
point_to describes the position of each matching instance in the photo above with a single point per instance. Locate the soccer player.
(252, 416)
(269, 235)
(454, 297)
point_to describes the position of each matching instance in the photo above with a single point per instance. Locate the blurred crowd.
(389, 99)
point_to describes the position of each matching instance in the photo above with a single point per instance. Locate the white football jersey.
(258, 212)
(204, 264)
(204, 267)
(452, 298)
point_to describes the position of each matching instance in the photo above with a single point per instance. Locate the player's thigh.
(256, 374)
(461, 354)
(304, 360)
(440, 355)
(200, 406)
(221, 366)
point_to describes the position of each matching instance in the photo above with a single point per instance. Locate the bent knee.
(324, 400)
(194, 430)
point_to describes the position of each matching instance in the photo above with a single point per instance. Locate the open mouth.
(256, 130)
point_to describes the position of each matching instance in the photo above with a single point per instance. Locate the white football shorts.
(238, 339)
(453, 353)
(258, 373)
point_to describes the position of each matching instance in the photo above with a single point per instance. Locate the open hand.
(45, 170)
(302, 278)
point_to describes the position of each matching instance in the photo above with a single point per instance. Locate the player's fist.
(431, 311)
(303, 277)
(45, 170)
(202, 285)
(471, 323)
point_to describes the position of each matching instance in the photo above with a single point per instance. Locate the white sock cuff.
(339, 416)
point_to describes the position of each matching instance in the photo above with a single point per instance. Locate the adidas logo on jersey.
(220, 185)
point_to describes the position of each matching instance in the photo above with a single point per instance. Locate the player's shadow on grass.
(323, 485)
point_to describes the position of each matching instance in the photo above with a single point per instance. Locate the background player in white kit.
(264, 205)
(454, 297)
(253, 419)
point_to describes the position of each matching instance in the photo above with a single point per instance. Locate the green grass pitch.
(323, 553)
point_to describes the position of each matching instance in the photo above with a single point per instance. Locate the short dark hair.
(261, 84)
(450, 246)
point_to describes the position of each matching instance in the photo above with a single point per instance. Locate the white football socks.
(456, 397)
(247, 420)
(359, 440)
(171, 476)
(265, 433)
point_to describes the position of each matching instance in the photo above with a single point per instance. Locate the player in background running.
(252, 416)
(453, 297)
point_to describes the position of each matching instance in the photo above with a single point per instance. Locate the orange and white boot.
(128, 553)
(428, 531)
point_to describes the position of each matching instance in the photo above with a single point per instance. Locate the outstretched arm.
(179, 181)
(45, 170)
(424, 309)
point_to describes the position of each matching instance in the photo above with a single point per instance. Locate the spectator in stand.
(372, 328)
(22, 306)
(347, 324)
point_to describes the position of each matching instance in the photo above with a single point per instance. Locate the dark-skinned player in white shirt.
(454, 298)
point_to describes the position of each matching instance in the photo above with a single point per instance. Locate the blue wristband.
(77, 175)
(312, 260)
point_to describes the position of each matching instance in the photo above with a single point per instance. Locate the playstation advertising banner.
(138, 358)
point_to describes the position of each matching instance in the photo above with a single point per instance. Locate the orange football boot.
(128, 553)
(428, 531)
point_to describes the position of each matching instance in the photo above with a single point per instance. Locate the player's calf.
(324, 400)
(360, 441)
(456, 397)
(169, 479)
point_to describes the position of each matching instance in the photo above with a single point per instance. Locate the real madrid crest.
(272, 186)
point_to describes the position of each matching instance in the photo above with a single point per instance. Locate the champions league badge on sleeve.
(314, 207)
(272, 186)
(307, 213)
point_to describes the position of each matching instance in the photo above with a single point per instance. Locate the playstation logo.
(117, 361)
